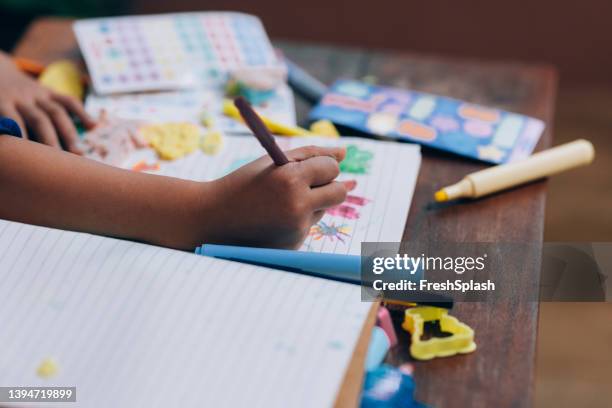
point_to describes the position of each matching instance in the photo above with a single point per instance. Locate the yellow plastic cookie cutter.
(461, 340)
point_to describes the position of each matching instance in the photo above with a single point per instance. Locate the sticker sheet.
(170, 51)
(479, 132)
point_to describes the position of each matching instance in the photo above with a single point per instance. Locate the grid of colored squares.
(171, 51)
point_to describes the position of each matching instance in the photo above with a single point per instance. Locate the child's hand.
(264, 205)
(43, 112)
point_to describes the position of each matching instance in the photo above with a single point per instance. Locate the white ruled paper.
(134, 325)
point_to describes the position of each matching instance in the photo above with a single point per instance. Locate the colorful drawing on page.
(323, 231)
(349, 208)
(344, 211)
(142, 165)
(357, 161)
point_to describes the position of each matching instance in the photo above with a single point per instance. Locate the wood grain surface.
(501, 371)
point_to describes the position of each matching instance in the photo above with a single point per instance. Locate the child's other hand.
(42, 112)
(261, 204)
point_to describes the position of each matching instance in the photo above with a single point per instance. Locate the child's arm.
(259, 204)
(42, 112)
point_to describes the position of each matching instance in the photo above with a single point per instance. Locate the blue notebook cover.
(475, 131)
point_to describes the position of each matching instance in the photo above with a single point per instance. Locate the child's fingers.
(40, 124)
(10, 112)
(75, 107)
(350, 184)
(328, 196)
(319, 170)
(306, 152)
(63, 124)
(317, 216)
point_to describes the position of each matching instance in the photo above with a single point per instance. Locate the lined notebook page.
(385, 175)
(136, 325)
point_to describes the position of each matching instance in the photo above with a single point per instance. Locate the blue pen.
(331, 266)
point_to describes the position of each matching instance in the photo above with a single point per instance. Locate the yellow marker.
(64, 78)
(539, 165)
(324, 128)
(277, 128)
(48, 368)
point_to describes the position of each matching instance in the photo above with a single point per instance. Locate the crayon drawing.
(142, 165)
(357, 161)
(349, 209)
(344, 211)
(329, 231)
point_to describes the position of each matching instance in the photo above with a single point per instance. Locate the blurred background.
(574, 37)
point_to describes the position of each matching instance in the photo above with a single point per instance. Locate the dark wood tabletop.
(501, 371)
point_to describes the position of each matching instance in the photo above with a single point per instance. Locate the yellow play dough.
(172, 140)
(47, 368)
(64, 78)
(212, 142)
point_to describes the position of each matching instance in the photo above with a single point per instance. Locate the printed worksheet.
(382, 174)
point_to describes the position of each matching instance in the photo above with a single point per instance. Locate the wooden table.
(501, 371)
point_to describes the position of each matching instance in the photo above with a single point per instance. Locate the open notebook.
(134, 325)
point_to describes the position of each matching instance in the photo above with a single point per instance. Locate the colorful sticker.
(477, 128)
(416, 130)
(445, 123)
(481, 113)
(423, 107)
(382, 123)
(490, 152)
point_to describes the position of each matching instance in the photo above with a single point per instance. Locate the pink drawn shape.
(344, 211)
(356, 200)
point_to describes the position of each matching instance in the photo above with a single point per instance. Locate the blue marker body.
(331, 266)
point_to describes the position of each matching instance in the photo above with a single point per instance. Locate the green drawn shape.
(357, 161)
